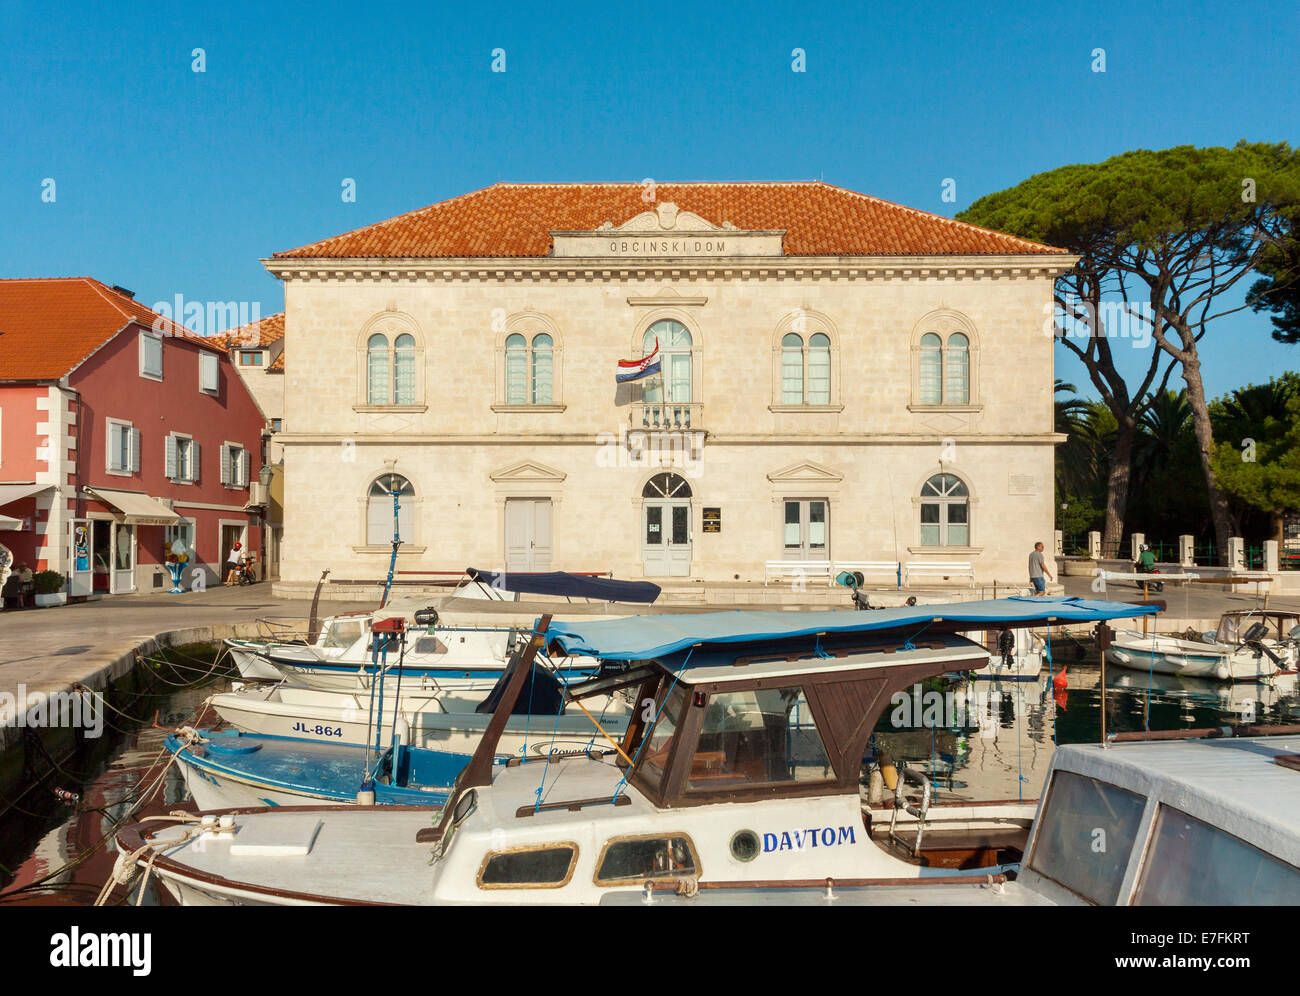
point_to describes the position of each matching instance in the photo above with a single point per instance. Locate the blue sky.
(175, 182)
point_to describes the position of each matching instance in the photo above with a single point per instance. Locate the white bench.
(889, 567)
(942, 569)
(796, 570)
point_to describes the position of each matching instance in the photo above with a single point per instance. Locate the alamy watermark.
(82, 710)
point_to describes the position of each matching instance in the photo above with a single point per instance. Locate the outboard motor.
(1007, 646)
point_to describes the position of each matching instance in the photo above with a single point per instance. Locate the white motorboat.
(459, 652)
(1249, 645)
(440, 719)
(738, 782)
(337, 634)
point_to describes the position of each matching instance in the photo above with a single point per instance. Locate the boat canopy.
(638, 638)
(563, 585)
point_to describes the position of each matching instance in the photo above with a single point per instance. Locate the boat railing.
(903, 802)
(1206, 733)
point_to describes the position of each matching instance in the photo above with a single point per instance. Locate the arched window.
(392, 374)
(377, 389)
(946, 360)
(819, 369)
(379, 510)
(956, 387)
(673, 384)
(931, 369)
(945, 511)
(666, 486)
(516, 370)
(404, 370)
(791, 369)
(530, 371)
(543, 369)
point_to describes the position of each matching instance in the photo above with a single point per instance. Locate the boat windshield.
(652, 754)
(758, 737)
(1085, 836)
(339, 634)
(1191, 863)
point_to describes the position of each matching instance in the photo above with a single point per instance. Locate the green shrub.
(47, 582)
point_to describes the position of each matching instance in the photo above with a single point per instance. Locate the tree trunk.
(1219, 510)
(1117, 484)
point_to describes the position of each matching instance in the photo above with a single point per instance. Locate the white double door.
(666, 538)
(528, 534)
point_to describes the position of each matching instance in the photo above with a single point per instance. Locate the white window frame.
(144, 338)
(234, 465)
(111, 428)
(196, 456)
(212, 363)
(804, 553)
(945, 502)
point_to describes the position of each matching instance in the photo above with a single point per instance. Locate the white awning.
(8, 523)
(137, 509)
(16, 492)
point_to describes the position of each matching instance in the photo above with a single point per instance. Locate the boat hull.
(1189, 658)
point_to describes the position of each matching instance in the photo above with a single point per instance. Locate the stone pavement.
(92, 643)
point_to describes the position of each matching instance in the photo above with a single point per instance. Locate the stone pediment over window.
(666, 232)
(527, 471)
(806, 473)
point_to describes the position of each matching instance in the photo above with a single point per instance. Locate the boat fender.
(366, 795)
(403, 730)
(890, 774)
(1222, 671)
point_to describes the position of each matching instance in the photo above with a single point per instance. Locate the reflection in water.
(54, 849)
(996, 738)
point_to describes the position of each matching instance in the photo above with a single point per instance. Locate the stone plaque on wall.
(1022, 484)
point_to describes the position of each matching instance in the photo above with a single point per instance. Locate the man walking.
(1037, 570)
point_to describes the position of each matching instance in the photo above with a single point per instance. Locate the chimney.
(123, 291)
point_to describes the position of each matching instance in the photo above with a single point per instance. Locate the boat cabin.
(790, 719)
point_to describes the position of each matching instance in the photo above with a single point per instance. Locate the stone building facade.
(840, 379)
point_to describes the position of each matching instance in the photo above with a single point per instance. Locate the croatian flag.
(647, 366)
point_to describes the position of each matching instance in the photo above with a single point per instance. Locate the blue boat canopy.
(638, 638)
(562, 585)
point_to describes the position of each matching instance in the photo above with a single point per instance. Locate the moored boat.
(1247, 646)
(741, 773)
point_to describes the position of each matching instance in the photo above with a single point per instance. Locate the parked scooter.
(1146, 564)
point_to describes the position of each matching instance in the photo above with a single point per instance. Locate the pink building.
(119, 433)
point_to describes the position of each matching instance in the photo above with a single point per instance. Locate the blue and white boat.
(377, 747)
(438, 656)
(231, 769)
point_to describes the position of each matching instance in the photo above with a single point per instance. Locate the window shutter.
(195, 463)
(169, 459)
(208, 372)
(243, 468)
(226, 468)
(135, 451)
(111, 448)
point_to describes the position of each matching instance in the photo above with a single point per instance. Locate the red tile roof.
(263, 332)
(511, 220)
(50, 325)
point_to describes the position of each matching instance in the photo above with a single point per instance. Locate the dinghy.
(738, 782)
(1247, 646)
